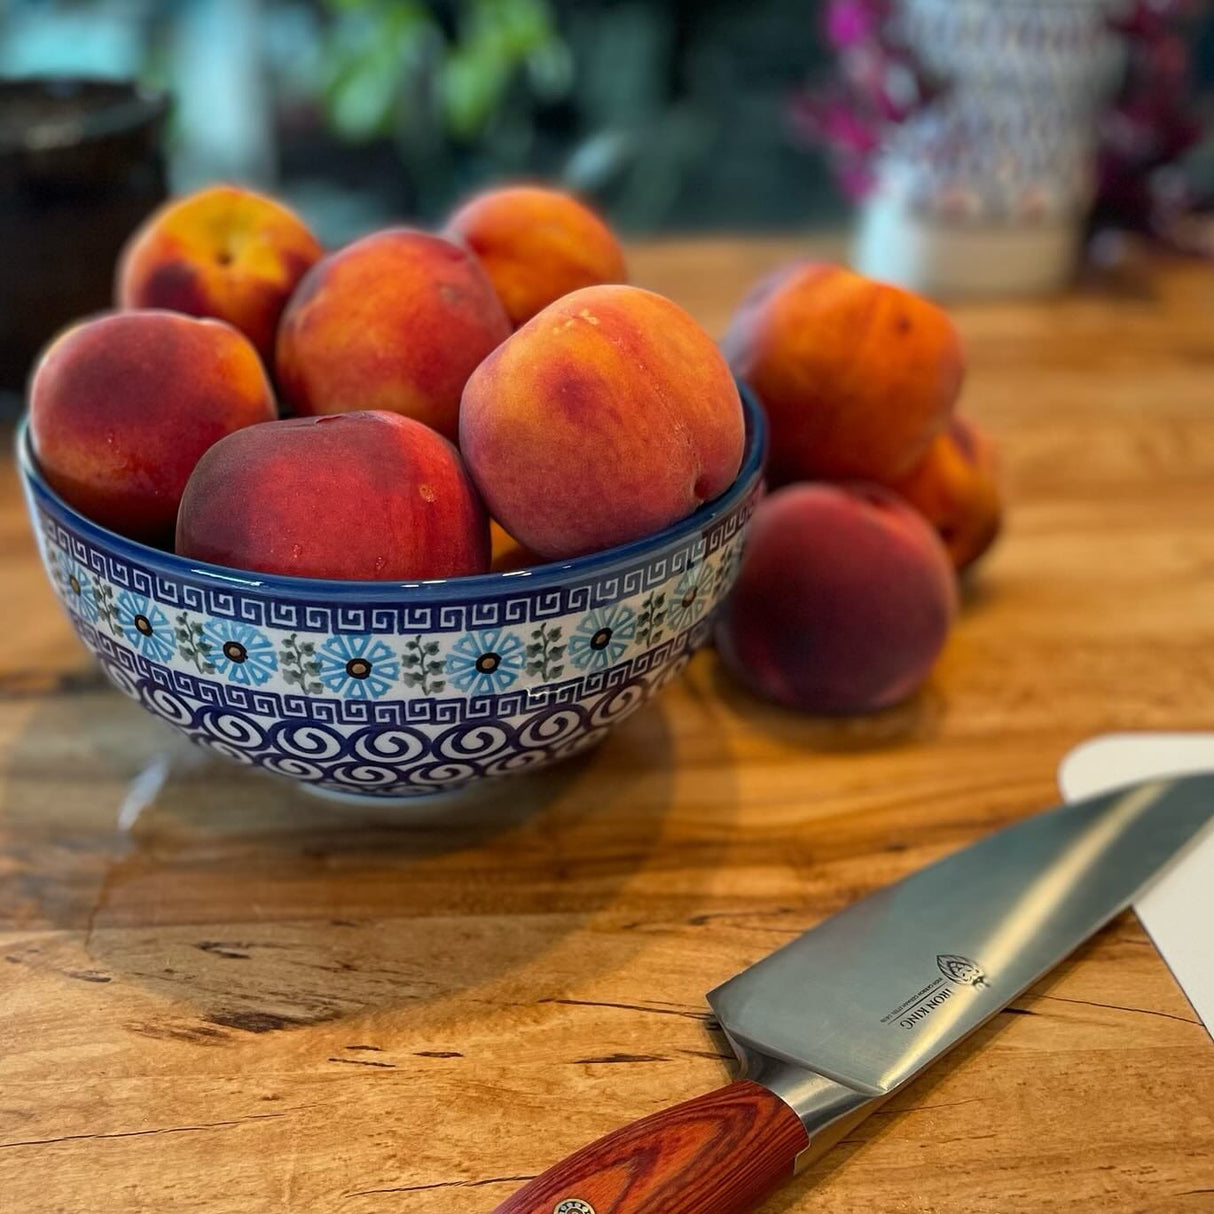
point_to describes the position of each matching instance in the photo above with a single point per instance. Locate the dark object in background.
(80, 166)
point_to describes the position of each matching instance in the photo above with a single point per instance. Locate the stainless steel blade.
(871, 996)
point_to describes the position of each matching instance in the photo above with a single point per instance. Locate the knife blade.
(833, 1023)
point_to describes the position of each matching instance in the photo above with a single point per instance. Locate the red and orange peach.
(366, 496)
(844, 600)
(395, 321)
(608, 416)
(123, 407)
(856, 377)
(224, 252)
(536, 245)
(956, 488)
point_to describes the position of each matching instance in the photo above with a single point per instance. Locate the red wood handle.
(723, 1153)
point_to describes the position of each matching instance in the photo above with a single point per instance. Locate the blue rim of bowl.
(481, 585)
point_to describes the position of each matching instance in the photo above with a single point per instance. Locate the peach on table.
(856, 377)
(956, 488)
(844, 600)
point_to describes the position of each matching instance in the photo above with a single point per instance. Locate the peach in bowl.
(394, 689)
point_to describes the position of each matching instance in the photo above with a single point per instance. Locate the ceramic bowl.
(394, 690)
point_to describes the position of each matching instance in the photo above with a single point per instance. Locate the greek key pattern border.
(517, 606)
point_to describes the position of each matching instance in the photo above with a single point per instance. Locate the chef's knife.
(836, 1021)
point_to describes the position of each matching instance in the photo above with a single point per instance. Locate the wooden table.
(253, 1002)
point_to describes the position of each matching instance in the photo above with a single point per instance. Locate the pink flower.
(850, 22)
(834, 120)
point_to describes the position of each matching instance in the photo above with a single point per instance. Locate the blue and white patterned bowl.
(396, 689)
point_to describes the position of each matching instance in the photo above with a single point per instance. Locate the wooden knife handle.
(723, 1153)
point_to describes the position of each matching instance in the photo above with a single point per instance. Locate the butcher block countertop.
(245, 1000)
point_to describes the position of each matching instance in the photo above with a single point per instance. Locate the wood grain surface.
(249, 1001)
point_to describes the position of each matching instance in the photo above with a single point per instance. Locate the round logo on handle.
(571, 1205)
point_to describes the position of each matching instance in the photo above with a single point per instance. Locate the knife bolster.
(828, 1110)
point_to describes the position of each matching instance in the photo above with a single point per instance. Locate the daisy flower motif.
(602, 636)
(689, 599)
(76, 586)
(485, 662)
(357, 667)
(239, 652)
(145, 627)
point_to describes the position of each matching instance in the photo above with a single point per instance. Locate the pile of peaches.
(366, 414)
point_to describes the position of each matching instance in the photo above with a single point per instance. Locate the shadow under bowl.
(391, 689)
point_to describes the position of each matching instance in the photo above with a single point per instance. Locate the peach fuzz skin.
(395, 321)
(844, 600)
(363, 496)
(123, 407)
(537, 245)
(605, 418)
(225, 252)
(956, 488)
(856, 377)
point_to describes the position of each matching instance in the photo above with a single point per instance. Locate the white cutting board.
(1178, 909)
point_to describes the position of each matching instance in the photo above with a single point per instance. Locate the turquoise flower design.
(485, 662)
(357, 667)
(240, 652)
(690, 598)
(602, 636)
(145, 627)
(76, 584)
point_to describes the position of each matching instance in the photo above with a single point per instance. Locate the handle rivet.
(571, 1205)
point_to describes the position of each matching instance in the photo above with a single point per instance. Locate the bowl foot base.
(360, 800)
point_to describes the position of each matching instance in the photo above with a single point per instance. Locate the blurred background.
(673, 116)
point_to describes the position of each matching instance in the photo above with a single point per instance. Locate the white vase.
(986, 190)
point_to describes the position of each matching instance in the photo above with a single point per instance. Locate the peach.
(843, 602)
(856, 377)
(366, 496)
(609, 415)
(956, 488)
(395, 321)
(224, 252)
(122, 407)
(537, 245)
